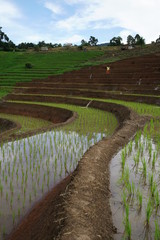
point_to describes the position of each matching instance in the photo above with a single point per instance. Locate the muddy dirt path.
(86, 202)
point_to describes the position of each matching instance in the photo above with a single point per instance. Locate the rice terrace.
(80, 148)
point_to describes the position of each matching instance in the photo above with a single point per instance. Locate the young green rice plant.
(153, 189)
(144, 169)
(151, 126)
(151, 181)
(124, 198)
(140, 199)
(141, 149)
(123, 158)
(150, 150)
(127, 224)
(154, 160)
(148, 212)
(125, 176)
(136, 158)
(137, 138)
(130, 145)
(157, 200)
(24, 191)
(133, 188)
(157, 231)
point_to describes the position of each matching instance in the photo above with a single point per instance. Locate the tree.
(130, 40)
(42, 44)
(26, 45)
(139, 40)
(84, 43)
(116, 41)
(93, 41)
(5, 43)
(3, 36)
(158, 40)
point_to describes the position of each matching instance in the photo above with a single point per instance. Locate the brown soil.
(82, 211)
(55, 115)
(6, 125)
(127, 77)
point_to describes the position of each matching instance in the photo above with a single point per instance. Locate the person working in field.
(107, 70)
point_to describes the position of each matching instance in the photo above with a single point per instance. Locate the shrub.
(28, 65)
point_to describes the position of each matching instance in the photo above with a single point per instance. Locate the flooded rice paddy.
(30, 167)
(135, 188)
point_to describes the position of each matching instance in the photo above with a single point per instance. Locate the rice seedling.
(125, 176)
(127, 224)
(154, 160)
(150, 150)
(148, 212)
(157, 231)
(157, 199)
(137, 158)
(144, 169)
(153, 189)
(123, 157)
(124, 198)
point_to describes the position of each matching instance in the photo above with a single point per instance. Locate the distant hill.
(103, 44)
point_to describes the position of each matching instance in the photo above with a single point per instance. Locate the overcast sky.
(61, 21)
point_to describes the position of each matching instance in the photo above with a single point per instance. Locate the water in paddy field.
(135, 188)
(30, 167)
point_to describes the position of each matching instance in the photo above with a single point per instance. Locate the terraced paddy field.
(90, 116)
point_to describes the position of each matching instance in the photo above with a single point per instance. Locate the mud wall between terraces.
(131, 98)
(121, 112)
(55, 115)
(6, 125)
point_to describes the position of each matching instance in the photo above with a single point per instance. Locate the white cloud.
(72, 39)
(139, 16)
(84, 17)
(8, 12)
(55, 8)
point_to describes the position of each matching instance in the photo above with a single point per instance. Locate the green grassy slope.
(12, 65)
